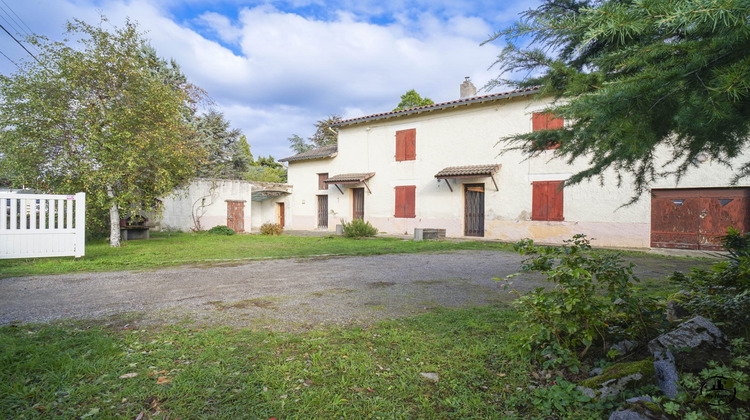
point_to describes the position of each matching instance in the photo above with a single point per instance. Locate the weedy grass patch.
(173, 249)
(73, 371)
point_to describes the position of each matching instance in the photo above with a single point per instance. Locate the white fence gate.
(42, 225)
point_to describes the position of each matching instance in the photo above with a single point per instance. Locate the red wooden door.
(236, 215)
(694, 218)
(282, 221)
(358, 203)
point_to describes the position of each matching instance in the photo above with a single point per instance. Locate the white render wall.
(206, 197)
(468, 136)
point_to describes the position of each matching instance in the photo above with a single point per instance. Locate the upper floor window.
(321, 181)
(546, 121)
(406, 145)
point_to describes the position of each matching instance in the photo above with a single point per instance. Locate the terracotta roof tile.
(468, 171)
(442, 105)
(321, 152)
(354, 178)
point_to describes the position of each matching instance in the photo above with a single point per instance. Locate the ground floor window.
(547, 201)
(405, 201)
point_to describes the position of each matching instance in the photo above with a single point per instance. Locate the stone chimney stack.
(468, 89)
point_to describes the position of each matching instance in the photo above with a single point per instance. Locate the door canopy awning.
(469, 171)
(350, 179)
(262, 195)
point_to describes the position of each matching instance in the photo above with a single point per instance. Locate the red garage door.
(694, 218)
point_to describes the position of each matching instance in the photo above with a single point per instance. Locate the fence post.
(80, 244)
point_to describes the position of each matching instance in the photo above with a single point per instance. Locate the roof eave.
(437, 107)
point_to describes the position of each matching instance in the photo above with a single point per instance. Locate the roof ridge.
(461, 101)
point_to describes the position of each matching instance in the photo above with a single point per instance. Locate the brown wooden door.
(322, 212)
(695, 218)
(474, 210)
(358, 200)
(236, 215)
(282, 221)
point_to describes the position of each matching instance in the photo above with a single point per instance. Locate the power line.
(19, 67)
(19, 18)
(19, 43)
(15, 24)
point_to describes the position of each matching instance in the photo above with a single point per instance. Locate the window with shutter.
(322, 181)
(547, 201)
(406, 145)
(405, 201)
(546, 121)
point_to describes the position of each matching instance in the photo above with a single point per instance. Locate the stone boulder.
(693, 343)
(618, 377)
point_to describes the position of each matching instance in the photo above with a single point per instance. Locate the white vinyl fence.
(42, 225)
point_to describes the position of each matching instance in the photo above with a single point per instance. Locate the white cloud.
(278, 71)
(221, 25)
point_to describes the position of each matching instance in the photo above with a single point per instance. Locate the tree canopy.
(104, 118)
(229, 154)
(325, 134)
(412, 99)
(631, 77)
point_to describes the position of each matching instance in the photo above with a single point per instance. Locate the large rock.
(693, 343)
(618, 377)
(665, 373)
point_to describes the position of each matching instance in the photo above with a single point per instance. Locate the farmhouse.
(440, 166)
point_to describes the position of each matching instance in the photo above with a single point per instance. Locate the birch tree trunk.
(114, 220)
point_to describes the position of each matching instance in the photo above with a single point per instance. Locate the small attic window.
(678, 202)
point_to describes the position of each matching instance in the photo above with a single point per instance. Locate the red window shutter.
(538, 121)
(321, 181)
(405, 201)
(406, 145)
(547, 201)
(411, 145)
(539, 201)
(555, 202)
(545, 121)
(553, 123)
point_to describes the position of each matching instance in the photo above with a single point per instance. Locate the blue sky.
(276, 67)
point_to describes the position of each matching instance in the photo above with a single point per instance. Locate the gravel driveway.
(277, 294)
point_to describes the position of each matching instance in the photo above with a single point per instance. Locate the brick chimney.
(468, 89)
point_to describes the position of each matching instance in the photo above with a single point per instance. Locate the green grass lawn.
(76, 371)
(186, 248)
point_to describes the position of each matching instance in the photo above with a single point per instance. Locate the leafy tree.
(299, 145)
(632, 77)
(411, 99)
(266, 169)
(98, 119)
(325, 134)
(228, 152)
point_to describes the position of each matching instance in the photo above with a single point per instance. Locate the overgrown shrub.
(358, 228)
(562, 323)
(274, 229)
(722, 294)
(221, 230)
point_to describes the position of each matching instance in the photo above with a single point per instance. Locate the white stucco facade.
(203, 204)
(468, 134)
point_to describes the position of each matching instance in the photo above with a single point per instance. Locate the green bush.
(274, 229)
(722, 294)
(221, 230)
(358, 228)
(561, 324)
